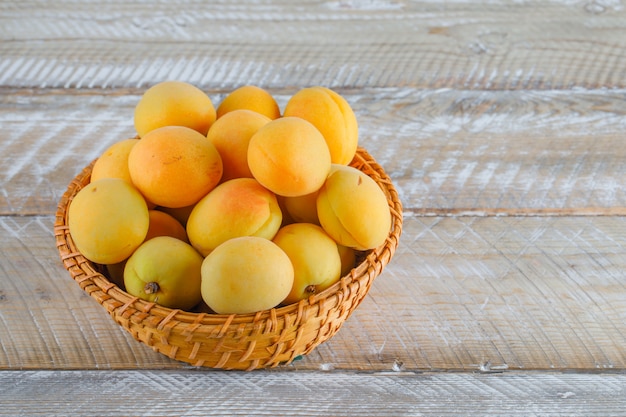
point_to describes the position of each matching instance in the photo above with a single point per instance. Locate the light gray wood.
(192, 393)
(494, 45)
(501, 123)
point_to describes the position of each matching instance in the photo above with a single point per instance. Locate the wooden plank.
(462, 293)
(44, 321)
(447, 151)
(191, 393)
(495, 45)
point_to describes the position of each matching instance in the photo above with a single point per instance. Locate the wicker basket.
(249, 341)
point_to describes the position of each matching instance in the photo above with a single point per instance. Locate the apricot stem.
(310, 289)
(151, 287)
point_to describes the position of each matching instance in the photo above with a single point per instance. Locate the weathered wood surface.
(382, 43)
(501, 124)
(192, 393)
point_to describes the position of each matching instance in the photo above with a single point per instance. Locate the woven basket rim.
(123, 306)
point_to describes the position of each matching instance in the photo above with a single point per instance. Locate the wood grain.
(496, 45)
(501, 124)
(192, 393)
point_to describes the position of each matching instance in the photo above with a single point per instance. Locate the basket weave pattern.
(249, 341)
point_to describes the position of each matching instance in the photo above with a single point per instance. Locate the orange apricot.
(174, 166)
(289, 157)
(231, 135)
(163, 224)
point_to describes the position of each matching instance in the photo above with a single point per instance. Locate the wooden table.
(502, 125)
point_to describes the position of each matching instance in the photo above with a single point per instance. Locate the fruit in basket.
(174, 103)
(164, 224)
(174, 166)
(289, 157)
(302, 209)
(245, 275)
(179, 213)
(231, 135)
(348, 259)
(165, 270)
(261, 209)
(353, 209)
(332, 115)
(250, 97)
(108, 220)
(314, 256)
(160, 224)
(238, 207)
(113, 163)
(115, 273)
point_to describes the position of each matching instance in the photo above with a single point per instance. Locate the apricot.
(108, 219)
(179, 213)
(113, 162)
(238, 207)
(174, 103)
(246, 275)
(174, 166)
(286, 216)
(165, 270)
(250, 97)
(289, 157)
(314, 256)
(332, 116)
(231, 135)
(302, 209)
(348, 259)
(160, 224)
(163, 224)
(353, 209)
(115, 273)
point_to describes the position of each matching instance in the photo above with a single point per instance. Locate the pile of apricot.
(230, 210)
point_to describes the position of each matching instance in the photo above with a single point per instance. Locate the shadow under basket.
(239, 341)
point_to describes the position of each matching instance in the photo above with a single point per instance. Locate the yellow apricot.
(314, 256)
(231, 135)
(160, 224)
(108, 220)
(353, 209)
(238, 207)
(246, 275)
(250, 97)
(289, 157)
(332, 115)
(163, 224)
(113, 163)
(167, 271)
(302, 209)
(174, 166)
(348, 259)
(174, 103)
